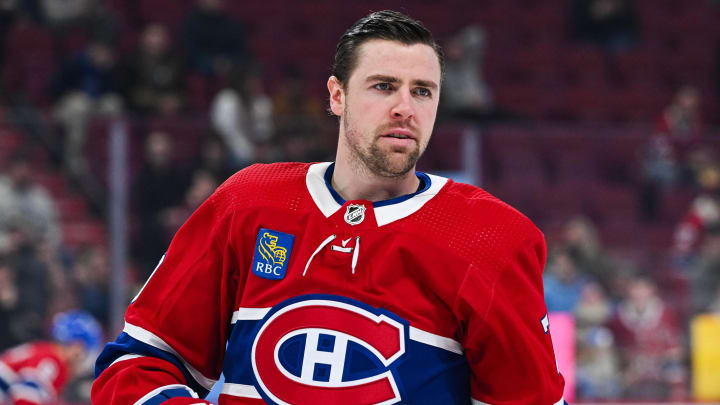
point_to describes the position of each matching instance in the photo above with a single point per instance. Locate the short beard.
(374, 159)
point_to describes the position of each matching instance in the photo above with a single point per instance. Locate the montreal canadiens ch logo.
(319, 351)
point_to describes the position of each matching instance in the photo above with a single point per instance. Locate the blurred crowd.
(631, 322)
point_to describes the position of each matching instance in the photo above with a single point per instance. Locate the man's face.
(388, 106)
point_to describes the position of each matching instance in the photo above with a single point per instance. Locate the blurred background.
(596, 118)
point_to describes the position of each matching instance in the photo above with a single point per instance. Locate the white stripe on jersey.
(249, 314)
(150, 338)
(432, 339)
(125, 357)
(163, 388)
(7, 374)
(29, 393)
(240, 390)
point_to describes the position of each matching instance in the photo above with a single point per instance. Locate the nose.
(403, 108)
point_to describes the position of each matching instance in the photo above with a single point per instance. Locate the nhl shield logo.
(355, 214)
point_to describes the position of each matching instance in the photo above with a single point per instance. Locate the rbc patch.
(272, 252)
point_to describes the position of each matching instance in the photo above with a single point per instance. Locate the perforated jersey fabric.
(300, 297)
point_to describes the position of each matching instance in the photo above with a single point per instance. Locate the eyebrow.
(394, 80)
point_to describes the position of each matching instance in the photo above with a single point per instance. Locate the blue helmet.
(77, 326)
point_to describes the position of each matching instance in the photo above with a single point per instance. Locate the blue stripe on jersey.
(164, 395)
(427, 374)
(4, 385)
(425, 184)
(430, 375)
(236, 366)
(31, 384)
(126, 344)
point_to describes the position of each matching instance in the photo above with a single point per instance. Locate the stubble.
(375, 159)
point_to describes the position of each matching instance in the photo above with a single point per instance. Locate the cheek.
(427, 115)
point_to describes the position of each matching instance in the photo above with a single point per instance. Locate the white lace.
(355, 250)
(319, 248)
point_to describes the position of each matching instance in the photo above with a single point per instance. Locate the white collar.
(385, 214)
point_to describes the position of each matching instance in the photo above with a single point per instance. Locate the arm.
(506, 339)
(173, 342)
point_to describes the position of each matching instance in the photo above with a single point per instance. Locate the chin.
(397, 170)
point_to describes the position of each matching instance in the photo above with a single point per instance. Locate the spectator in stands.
(670, 156)
(703, 214)
(202, 186)
(716, 64)
(62, 295)
(597, 363)
(91, 18)
(91, 275)
(7, 18)
(243, 115)
(63, 12)
(682, 119)
(563, 283)
(214, 159)
(26, 315)
(597, 366)
(27, 211)
(705, 277)
(583, 245)
(9, 297)
(215, 42)
(154, 82)
(612, 24)
(593, 309)
(465, 94)
(159, 186)
(301, 123)
(85, 86)
(659, 172)
(651, 344)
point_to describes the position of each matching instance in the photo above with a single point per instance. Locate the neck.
(353, 181)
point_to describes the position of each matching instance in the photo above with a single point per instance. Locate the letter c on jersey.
(344, 324)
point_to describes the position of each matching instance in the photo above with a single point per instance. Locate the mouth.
(399, 133)
(397, 136)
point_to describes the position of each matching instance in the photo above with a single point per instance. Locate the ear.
(337, 96)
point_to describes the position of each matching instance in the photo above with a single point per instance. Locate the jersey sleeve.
(505, 333)
(173, 341)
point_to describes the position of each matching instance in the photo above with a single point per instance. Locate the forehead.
(392, 58)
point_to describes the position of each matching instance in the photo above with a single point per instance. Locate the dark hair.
(388, 25)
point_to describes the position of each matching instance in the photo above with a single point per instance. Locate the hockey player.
(36, 373)
(360, 281)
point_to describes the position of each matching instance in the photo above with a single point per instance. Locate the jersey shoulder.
(483, 207)
(266, 185)
(478, 226)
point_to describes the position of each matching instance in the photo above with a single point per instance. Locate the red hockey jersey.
(300, 297)
(33, 373)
